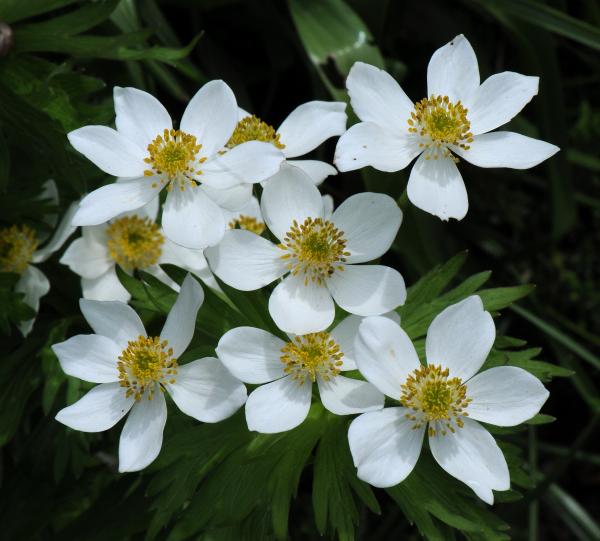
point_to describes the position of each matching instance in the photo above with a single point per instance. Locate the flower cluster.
(226, 197)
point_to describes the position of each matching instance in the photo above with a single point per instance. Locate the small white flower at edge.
(318, 253)
(148, 155)
(134, 371)
(132, 240)
(453, 119)
(305, 128)
(443, 399)
(289, 370)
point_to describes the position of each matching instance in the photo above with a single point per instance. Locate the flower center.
(172, 156)
(312, 355)
(134, 242)
(435, 398)
(145, 363)
(250, 223)
(252, 128)
(314, 248)
(439, 122)
(17, 244)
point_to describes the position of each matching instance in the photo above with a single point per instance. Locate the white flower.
(18, 250)
(444, 399)
(289, 370)
(454, 118)
(305, 128)
(134, 241)
(149, 154)
(135, 370)
(319, 253)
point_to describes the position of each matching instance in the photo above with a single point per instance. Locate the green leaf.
(16, 10)
(501, 297)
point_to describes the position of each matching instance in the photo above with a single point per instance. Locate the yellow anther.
(134, 242)
(145, 364)
(315, 248)
(312, 355)
(252, 128)
(17, 244)
(250, 223)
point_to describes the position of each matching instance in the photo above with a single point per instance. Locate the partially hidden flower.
(134, 241)
(443, 399)
(305, 128)
(287, 370)
(318, 256)
(135, 370)
(452, 120)
(20, 249)
(149, 154)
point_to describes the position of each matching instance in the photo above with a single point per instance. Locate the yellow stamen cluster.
(440, 122)
(312, 355)
(172, 156)
(252, 128)
(314, 248)
(17, 244)
(145, 364)
(436, 399)
(134, 242)
(250, 223)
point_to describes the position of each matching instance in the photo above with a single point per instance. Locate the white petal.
(88, 259)
(109, 201)
(507, 149)
(370, 222)
(367, 290)
(345, 396)
(278, 406)
(62, 233)
(181, 321)
(505, 396)
(499, 99)
(211, 115)
(460, 338)
(106, 287)
(367, 143)
(90, 357)
(149, 210)
(290, 195)
(453, 71)
(192, 219)
(310, 124)
(249, 162)
(436, 186)
(301, 308)
(384, 446)
(245, 261)
(251, 355)
(318, 171)
(109, 150)
(34, 284)
(186, 258)
(100, 409)
(230, 199)
(206, 391)
(142, 434)
(385, 354)
(140, 116)
(251, 208)
(377, 97)
(345, 332)
(327, 206)
(472, 456)
(112, 319)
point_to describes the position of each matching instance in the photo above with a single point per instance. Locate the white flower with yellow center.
(288, 370)
(305, 128)
(134, 371)
(134, 241)
(318, 253)
(148, 154)
(452, 120)
(19, 250)
(443, 399)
